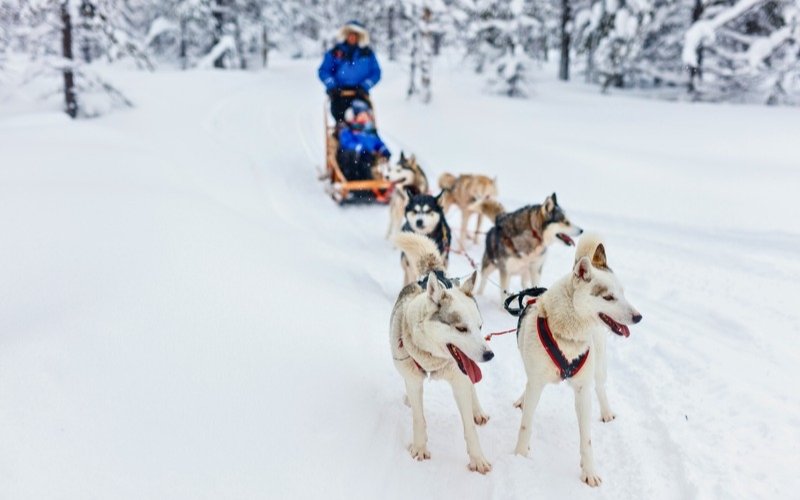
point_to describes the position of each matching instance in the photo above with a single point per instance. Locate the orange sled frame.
(343, 191)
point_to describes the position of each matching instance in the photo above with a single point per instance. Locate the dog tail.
(421, 251)
(447, 181)
(490, 208)
(588, 247)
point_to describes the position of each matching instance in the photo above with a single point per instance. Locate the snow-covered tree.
(49, 32)
(746, 47)
(504, 39)
(422, 48)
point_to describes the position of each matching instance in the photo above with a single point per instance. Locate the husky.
(465, 191)
(424, 216)
(592, 246)
(435, 331)
(408, 179)
(555, 334)
(518, 241)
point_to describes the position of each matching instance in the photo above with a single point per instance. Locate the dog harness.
(400, 345)
(567, 369)
(444, 280)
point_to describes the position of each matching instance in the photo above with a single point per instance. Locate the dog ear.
(402, 157)
(435, 289)
(549, 204)
(599, 258)
(440, 198)
(583, 270)
(468, 285)
(407, 193)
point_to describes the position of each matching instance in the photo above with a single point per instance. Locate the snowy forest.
(701, 50)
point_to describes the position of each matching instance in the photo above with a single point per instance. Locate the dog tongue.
(565, 239)
(472, 369)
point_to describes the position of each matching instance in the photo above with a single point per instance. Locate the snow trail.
(190, 316)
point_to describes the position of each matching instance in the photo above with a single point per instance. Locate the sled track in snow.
(648, 452)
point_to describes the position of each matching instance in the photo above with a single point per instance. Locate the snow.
(187, 316)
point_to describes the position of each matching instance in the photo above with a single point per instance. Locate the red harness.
(567, 369)
(400, 344)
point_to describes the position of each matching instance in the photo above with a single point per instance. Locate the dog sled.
(340, 189)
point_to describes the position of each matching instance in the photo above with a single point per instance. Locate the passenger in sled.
(360, 147)
(350, 69)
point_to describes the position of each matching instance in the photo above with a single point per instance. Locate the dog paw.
(607, 416)
(479, 464)
(480, 418)
(591, 478)
(419, 452)
(522, 450)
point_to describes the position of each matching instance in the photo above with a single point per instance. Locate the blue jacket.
(360, 140)
(349, 66)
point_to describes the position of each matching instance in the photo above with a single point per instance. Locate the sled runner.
(342, 190)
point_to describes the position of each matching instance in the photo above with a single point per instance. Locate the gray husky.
(436, 331)
(518, 241)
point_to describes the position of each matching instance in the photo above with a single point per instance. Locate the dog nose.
(488, 355)
(580, 231)
(419, 223)
(637, 318)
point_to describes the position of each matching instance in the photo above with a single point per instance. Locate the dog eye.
(608, 298)
(462, 329)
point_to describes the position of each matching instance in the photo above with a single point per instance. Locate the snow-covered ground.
(186, 315)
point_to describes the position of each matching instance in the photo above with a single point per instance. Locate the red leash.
(472, 263)
(489, 337)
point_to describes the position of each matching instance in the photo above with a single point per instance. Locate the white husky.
(589, 246)
(555, 336)
(435, 330)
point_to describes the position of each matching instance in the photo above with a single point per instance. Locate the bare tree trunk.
(391, 34)
(218, 13)
(427, 54)
(183, 49)
(66, 50)
(264, 46)
(237, 38)
(696, 72)
(412, 84)
(87, 11)
(566, 15)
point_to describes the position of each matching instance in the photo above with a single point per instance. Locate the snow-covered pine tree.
(425, 14)
(48, 34)
(7, 14)
(504, 38)
(612, 35)
(659, 61)
(745, 48)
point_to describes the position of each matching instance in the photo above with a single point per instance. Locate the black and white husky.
(424, 216)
